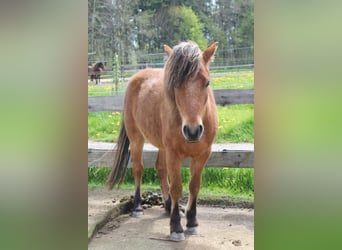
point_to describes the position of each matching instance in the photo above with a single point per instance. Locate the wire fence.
(228, 70)
(223, 58)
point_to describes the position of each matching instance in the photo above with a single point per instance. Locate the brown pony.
(95, 70)
(174, 109)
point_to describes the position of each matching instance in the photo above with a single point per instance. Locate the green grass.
(215, 182)
(240, 80)
(107, 90)
(104, 126)
(236, 123)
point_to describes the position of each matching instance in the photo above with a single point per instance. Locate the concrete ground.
(220, 228)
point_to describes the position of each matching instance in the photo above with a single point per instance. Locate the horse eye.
(207, 84)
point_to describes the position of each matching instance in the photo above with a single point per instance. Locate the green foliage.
(185, 25)
(131, 28)
(98, 175)
(244, 32)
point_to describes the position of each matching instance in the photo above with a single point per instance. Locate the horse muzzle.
(192, 134)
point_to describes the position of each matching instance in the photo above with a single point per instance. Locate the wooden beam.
(234, 96)
(236, 155)
(105, 103)
(222, 98)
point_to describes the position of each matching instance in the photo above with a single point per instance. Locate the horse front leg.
(173, 163)
(196, 168)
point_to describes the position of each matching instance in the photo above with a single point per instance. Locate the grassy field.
(233, 80)
(236, 125)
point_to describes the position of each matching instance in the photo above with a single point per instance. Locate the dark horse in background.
(95, 71)
(174, 109)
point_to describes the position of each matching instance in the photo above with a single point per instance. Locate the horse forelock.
(182, 65)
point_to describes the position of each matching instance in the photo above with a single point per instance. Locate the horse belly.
(148, 120)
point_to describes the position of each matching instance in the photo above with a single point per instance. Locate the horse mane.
(181, 66)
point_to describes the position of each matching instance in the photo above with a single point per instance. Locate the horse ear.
(167, 49)
(208, 54)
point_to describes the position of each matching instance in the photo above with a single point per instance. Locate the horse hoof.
(191, 230)
(177, 236)
(137, 214)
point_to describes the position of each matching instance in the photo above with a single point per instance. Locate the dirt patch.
(221, 227)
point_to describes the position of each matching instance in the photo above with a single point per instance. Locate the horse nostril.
(200, 128)
(186, 130)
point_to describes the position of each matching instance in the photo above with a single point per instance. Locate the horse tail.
(117, 174)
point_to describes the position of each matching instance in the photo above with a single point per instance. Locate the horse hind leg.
(136, 148)
(164, 183)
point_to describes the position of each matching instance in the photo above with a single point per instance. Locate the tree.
(137, 27)
(99, 26)
(244, 31)
(181, 24)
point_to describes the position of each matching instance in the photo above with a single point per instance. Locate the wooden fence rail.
(222, 98)
(236, 155)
